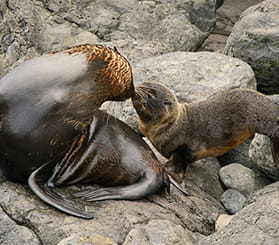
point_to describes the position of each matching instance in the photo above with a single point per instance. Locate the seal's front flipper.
(38, 184)
(146, 185)
(178, 186)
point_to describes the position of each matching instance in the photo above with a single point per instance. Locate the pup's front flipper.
(146, 185)
(38, 184)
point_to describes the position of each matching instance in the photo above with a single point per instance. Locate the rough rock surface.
(222, 221)
(260, 155)
(241, 178)
(113, 220)
(233, 200)
(255, 224)
(255, 40)
(31, 27)
(191, 76)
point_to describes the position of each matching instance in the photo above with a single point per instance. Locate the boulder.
(29, 28)
(233, 200)
(256, 224)
(241, 178)
(261, 156)
(191, 76)
(255, 40)
(115, 221)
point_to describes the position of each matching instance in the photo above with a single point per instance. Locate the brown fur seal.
(110, 154)
(47, 104)
(186, 132)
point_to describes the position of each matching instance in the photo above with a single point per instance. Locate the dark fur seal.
(47, 104)
(110, 154)
(186, 132)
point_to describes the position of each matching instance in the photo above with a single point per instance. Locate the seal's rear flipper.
(146, 185)
(38, 184)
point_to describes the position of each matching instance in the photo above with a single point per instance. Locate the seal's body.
(47, 104)
(186, 132)
(110, 154)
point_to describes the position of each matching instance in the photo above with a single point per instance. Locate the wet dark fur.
(110, 154)
(185, 132)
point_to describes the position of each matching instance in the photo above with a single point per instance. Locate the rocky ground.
(233, 199)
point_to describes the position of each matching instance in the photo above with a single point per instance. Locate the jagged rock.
(112, 219)
(256, 224)
(233, 200)
(12, 233)
(260, 155)
(86, 238)
(191, 76)
(241, 178)
(160, 232)
(39, 26)
(255, 40)
(222, 221)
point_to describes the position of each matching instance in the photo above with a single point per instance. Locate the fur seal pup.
(47, 104)
(110, 154)
(187, 132)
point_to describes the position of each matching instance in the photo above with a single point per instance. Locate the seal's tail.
(38, 184)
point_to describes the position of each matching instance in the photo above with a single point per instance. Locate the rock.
(155, 233)
(113, 219)
(222, 221)
(256, 224)
(13, 233)
(206, 169)
(239, 155)
(241, 178)
(260, 155)
(191, 76)
(233, 200)
(226, 16)
(255, 40)
(147, 26)
(86, 239)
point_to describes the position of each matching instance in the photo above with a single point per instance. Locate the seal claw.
(179, 187)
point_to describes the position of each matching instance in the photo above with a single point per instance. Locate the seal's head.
(154, 102)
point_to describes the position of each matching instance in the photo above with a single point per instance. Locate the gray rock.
(255, 40)
(260, 155)
(204, 174)
(147, 26)
(12, 233)
(256, 224)
(86, 238)
(241, 178)
(113, 219)
(239, 155)
(233, 200)
(160, 232)
(191, 76)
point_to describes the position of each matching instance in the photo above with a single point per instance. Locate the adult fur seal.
(110, 154)
(186, 132)
(47, 104)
